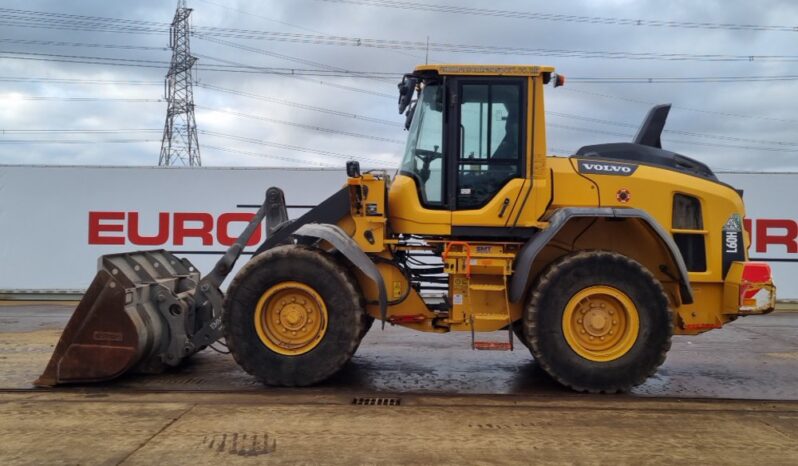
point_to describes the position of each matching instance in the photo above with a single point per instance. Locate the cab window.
(490, 141)
(423, 159)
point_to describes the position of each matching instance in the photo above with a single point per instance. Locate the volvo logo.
(604, 168)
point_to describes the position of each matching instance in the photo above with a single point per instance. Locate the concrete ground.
(729, 396)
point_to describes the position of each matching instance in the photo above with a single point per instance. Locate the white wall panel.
(46, 216)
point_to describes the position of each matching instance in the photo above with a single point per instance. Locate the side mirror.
(407, 87)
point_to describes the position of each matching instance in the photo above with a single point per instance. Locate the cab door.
(487, 183)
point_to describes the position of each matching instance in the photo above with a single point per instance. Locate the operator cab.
(468, 155)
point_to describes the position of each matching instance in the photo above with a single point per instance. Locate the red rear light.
(754, 273)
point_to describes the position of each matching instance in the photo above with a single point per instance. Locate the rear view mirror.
(406, 90)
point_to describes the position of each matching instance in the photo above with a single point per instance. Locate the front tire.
(293, 316)
(598, 321)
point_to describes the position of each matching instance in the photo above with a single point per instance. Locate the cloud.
(713, 109)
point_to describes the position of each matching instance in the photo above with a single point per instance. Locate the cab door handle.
(504, 206)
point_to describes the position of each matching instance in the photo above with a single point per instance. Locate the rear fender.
(526, 257)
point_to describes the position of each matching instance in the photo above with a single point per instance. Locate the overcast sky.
(734, 125)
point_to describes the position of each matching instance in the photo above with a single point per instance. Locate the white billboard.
(56, 221)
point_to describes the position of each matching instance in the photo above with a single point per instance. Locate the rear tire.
(577, 340)
(265, 290)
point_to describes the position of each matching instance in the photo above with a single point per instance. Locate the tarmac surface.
(729, 396)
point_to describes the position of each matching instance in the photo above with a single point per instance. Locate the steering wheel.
(427, 156)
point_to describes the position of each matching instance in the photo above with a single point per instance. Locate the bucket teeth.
(119, 326)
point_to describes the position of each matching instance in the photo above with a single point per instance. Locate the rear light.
(756, 289)
(754, 273)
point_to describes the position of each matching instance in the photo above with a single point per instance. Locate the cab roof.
(484, 70)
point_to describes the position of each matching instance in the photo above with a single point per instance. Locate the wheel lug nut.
(603, 306)
(579, 321)
(581, 330)
(293, 333)
(592, 338)
(601, 338)
(614, 322)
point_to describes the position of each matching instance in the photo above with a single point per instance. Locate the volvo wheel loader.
(591, 261)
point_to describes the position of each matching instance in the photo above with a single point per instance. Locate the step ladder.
(463, 266)
(490, 345)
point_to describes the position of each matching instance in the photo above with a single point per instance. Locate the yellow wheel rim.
(291, 318)
(600, 323)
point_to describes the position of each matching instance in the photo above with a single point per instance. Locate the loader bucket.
(127, 320)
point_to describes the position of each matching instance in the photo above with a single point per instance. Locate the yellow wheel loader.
(592, 261)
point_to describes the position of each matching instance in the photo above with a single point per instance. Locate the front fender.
(345, 245)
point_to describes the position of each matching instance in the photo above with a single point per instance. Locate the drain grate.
(376, 401)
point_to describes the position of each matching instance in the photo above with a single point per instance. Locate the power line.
(368, 74)
(84, 99)
(317, 39)
(675, 141)
(677, 79)
(690, 109)
(51, 57)
(674, 131)
(539, 16)
(131, 26)
(269, 156)
(73, 141)
(281, 56)
(141, 63)
(305, 78)
(325, 153)
(248, 13)
(289, 103)
(78, 131)
(269, 53)
(301, 125)
(20, 79)
(53, 43)
(346, 88)
(73, 17)
(256, 15)
(52, 20)
(98, 27)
